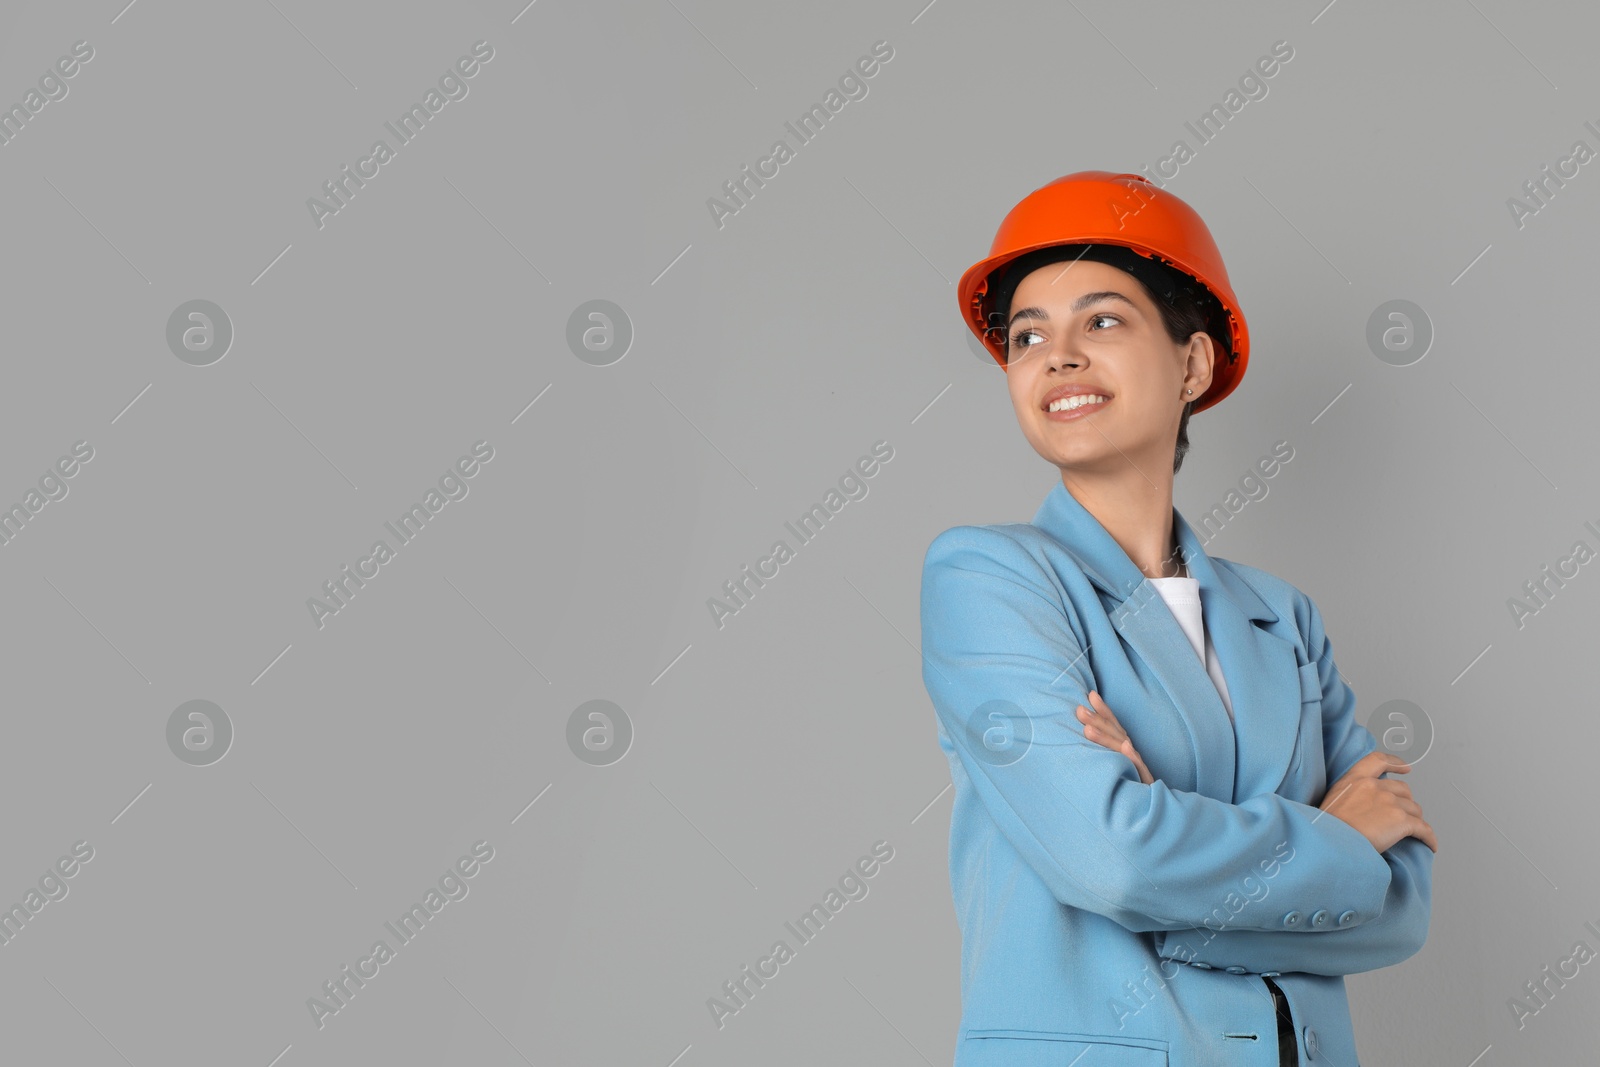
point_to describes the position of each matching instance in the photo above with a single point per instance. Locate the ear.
(1199, 361)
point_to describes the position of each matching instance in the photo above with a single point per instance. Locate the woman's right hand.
(1380, 808)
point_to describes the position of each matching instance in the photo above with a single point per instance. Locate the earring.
(1191, 392)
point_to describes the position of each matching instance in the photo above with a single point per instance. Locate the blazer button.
(1320, 918)
(1346, 918)
(1235, 969)
(1270, 974)
(1312, 1048)
(1291, 919)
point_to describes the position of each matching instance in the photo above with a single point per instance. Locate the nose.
(1059, 357)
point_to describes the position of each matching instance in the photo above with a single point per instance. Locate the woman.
(1188, 878)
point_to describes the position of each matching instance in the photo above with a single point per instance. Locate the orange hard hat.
(1104, 208)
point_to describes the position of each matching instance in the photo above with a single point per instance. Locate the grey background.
(768, 356)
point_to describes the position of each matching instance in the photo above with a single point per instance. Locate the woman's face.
(1087, 323)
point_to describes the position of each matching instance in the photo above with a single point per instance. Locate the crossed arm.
(1152, 858)
(1394, 935)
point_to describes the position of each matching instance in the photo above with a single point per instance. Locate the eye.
(1016, 338)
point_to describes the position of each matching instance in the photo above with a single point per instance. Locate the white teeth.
(1068, 403)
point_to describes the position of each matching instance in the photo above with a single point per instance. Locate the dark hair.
(1187, 307)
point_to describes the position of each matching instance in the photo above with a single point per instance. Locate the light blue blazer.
(1128, 921)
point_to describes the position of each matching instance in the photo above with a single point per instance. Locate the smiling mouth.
(1076, 405)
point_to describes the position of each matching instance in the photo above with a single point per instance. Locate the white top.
(1183, 598)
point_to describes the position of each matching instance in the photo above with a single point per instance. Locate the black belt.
(1288, 1051)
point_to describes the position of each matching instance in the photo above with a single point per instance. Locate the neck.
(1138, 516)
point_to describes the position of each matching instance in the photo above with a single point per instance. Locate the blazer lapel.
(1235, 760)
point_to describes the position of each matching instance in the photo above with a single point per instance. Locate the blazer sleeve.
(1006, 673)
(1395, 934)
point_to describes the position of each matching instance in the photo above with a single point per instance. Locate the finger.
(1105, 722)
(1115, 736)
(1412, 808)
(1101, 736)
(1089, 721)
(1376, 764)
(1101, 706)
(1108, 723)
(1387, 762)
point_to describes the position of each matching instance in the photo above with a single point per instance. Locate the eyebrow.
(1077, 305)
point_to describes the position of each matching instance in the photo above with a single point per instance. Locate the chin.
(1090, 454)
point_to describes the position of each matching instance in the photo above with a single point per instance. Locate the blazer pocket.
(1054, 1048)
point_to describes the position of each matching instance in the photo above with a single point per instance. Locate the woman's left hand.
(1102, 727)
